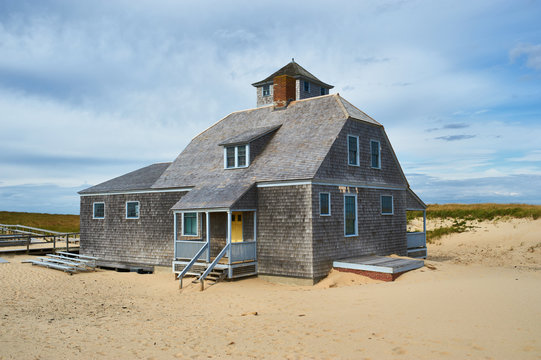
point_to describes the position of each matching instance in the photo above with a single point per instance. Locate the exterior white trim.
(381, 205)
(357, 160)
(94, 210)
(284, 183)
(379, 154)
(138, 210)
(328, 183)
(356, 215)
(139, 191)
(328, 203)
(201, 210)
(236, 147)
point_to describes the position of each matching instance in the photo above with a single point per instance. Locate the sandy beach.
(478, 298)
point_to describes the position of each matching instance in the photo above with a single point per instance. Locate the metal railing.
(243, 251)
(416, 239)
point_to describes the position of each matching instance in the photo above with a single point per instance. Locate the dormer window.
(306, 86)
(236, 156)
(266, 90)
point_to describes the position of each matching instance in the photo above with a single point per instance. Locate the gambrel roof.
(305, 131)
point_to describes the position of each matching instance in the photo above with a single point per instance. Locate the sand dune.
(470, 303)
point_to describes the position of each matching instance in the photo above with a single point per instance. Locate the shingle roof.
(250, 135)
(141, 179)
(294, 70)
(308, 129)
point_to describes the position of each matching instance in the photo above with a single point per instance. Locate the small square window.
(236, 156)
(306, 86)
(386, 205)
(266, 90)
(323, 91)
(99, 210)
(324, 204)
(189, 227)
(132, 210)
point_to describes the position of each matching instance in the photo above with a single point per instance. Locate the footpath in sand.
(480, 308)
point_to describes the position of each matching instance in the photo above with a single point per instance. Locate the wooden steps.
(67, 262)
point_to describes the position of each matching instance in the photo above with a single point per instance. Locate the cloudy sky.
(90, 90)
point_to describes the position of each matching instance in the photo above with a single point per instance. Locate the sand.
(479, 308)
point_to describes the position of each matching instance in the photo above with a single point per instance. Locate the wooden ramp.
(378, 267)
(67, 262)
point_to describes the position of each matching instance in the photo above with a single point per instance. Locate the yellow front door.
(236, 227)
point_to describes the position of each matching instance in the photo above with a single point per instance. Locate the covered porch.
(215, 243)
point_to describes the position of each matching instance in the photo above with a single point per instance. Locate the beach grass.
(461, 213)
(54, 222)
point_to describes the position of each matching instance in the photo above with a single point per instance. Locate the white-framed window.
(132, 209)
(353, 150)
(266, 90)
(306, 85)
(387, 206)
(236, 156)
(325, 204)
(98, 210)
(375, 158)
(350, 215)
(189, 224)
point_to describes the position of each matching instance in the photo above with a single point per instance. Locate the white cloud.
(532, 53)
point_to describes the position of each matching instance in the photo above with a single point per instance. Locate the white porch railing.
(186, 249)
(416, 239)
(243, 251)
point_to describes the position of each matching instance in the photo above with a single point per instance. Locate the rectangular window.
(323, 91)
(387, 205)
(99, 210)
(266, 90)
(350, 215)
(241, 156)
(324, 204)
(236, 156)
(374, 154)
(353, 150)
(306, 86)
(132, 210)
(189, 224)
(230, 157)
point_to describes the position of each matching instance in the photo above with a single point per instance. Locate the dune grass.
(54, 222)
(460, 213)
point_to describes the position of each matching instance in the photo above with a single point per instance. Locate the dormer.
(241, 150)
(298, 84)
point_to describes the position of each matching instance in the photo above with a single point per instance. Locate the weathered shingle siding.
(335, 165)
(413, 203)
(258, 145)
(247, 201)
(377, 234)
(148, 239)
(315, 90)
(284, 231)
(264, 100)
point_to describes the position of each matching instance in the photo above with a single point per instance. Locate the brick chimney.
(284, 91)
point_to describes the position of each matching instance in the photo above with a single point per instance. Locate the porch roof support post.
(255, 225)
(424, 224)
(175, 233)
(207, 224)
(230, 269)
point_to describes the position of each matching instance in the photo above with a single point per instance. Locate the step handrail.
(211, 266)
(190, 264)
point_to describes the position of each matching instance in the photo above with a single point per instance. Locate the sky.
(90, 90)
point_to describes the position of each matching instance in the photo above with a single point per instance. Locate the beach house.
(283, 189)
